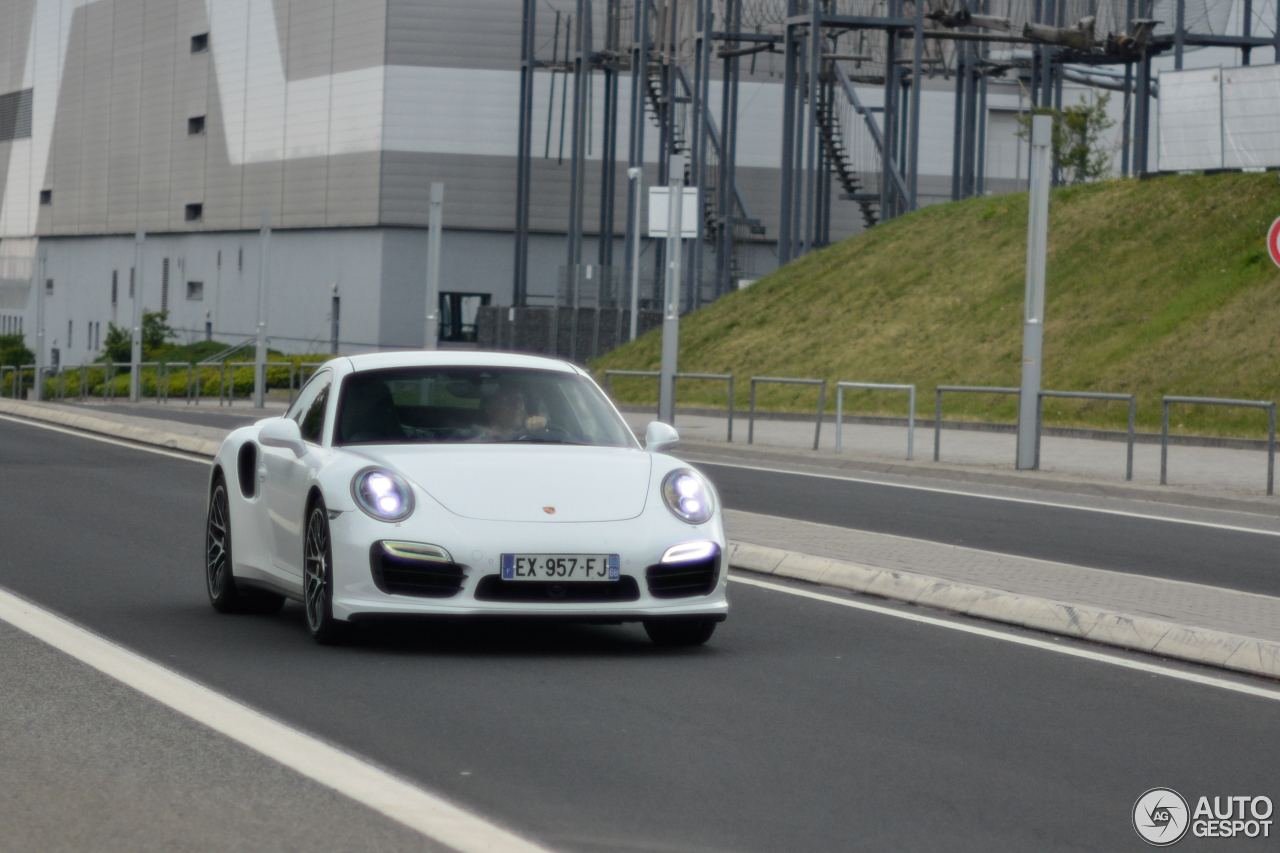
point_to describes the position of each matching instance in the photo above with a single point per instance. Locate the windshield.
(437, 405)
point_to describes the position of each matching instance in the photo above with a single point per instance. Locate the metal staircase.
(833, 143)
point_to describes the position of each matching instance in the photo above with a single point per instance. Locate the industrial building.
(188, 120)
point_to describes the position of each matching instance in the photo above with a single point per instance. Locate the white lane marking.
(1141, 666)
(1054, 504)
(371, 786)
(190, 457)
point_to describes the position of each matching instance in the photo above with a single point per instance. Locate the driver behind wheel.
(507, 412)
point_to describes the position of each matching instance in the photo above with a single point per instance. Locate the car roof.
(456, 358)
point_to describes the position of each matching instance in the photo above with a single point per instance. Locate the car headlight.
(382, 494)
(687, 495)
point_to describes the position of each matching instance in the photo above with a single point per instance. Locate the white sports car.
(463, 484)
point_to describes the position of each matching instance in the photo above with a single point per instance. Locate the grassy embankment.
(1154, 287)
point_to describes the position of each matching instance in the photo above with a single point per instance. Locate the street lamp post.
(260, 353)
(671, 306)
(1033, 320)
(633, 174)
(38, 273)
(135, 358)
(431, 329)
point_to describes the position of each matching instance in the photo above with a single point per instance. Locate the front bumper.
(477, 546)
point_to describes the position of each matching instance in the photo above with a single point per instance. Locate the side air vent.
(247, 467)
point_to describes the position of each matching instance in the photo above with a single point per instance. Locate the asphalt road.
(802, 726)
(1163, 549)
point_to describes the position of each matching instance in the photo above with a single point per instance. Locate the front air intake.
(422, 571)
(683, 580)
(494, 588)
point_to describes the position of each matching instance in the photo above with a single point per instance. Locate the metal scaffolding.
(835, 147)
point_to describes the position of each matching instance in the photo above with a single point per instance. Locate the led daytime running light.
(417, 551)
(688, 552)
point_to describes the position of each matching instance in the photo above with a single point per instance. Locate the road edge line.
(1146, 634)
(323, 763)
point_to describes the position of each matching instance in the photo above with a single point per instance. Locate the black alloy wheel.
(220, 580)
(679, 632)
(317, 579)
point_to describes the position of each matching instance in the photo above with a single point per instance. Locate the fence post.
(1271, 448)
(751, 416)
(839, 415)
(937, 425)
(822, 404)
(1164, 442)
(730, 408)
(911, 423)
(1128, 466)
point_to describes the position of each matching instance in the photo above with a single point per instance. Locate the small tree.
(156, 332)
(1077, 131)
(13, 351)
(118, 344)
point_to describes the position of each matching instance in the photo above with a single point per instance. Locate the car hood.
(504, 482)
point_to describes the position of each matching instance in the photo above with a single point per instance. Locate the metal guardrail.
(966, 389)
(1131, 399)
(1216, 401)
(714, 377)
(654, 374)
(822, 402)
(877, 386)
(20, 384)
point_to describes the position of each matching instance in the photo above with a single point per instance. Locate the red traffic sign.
(1273, 242)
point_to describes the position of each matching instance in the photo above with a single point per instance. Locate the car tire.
(317, 579)
(679, 632)
(219, 576)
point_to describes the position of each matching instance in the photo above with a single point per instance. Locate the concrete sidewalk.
(1175, 619)
(1235, 473)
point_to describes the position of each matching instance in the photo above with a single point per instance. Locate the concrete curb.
(1139, 633)
(101, 426)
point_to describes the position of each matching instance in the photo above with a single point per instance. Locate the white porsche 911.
(463, 484)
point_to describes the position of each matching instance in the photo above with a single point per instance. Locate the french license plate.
(560, 567)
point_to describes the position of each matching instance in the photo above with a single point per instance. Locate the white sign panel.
(659, 207)
(1219, 118)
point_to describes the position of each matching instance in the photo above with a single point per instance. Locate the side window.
(308, 394)
(309, 410)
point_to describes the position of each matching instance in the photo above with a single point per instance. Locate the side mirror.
(282, 432)
(659, 437)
